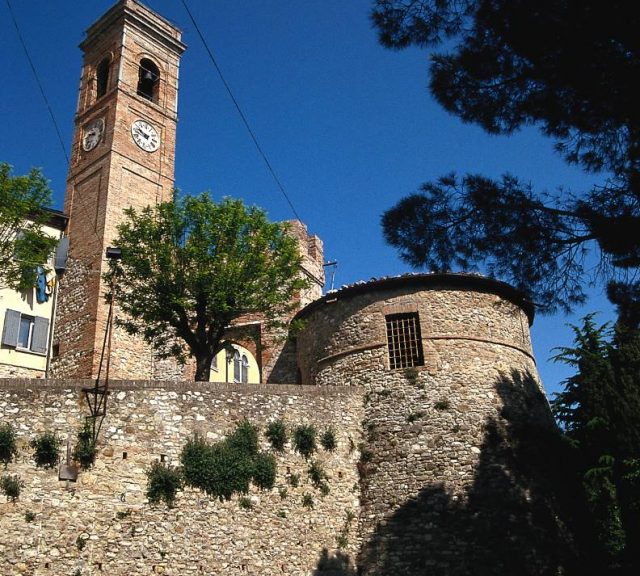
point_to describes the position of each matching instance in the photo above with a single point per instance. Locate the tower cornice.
(137, 15)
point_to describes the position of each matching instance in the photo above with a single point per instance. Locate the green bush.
(442, 404)
(294, 480)
(11, 486)
(414, 416)
(162, 483)
(8, 445)
(328, 440)
(227, 467)
(85, 450)
(307, 500)
(46, 450)
(264, 470)
(29, 516)
(244, 438)
(316, 474)
(304, 439)
(276, 433)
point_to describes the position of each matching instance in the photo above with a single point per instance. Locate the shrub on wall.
(328, 440)
(163, 482)
(276, 433)
(8, 446)
(85, 450)
(227, 467)
(46, 449)
(304, 439)
(317, 475)
(11, 486)
(264, 471)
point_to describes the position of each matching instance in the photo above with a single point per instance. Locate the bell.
(148, 75)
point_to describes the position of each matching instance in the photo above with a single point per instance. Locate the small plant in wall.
(46, 450)
(85, 450)
(245, 503)
(8, 445)
(411, 374)
(163, 482)
(328, 440)
(81, 541)
(307, 501)
(294, 480)
(122, 514)
(442, 404)
(317, 475)
(304, 439)
(29, 516)
(276, 433)
(413, 416)
(11, 485)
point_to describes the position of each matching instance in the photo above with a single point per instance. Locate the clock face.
(92, 134)
(145, 135)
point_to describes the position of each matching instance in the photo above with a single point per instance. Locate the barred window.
(404, 341)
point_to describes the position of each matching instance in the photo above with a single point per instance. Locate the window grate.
(404, 341)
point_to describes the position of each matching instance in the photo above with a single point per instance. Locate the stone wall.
(10, 371)
(126, 535)
(445, 486)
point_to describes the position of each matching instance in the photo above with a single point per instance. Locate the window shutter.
(39, 337)
(62, 252)
(11, 327)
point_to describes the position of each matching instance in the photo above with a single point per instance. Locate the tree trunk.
(203, 366)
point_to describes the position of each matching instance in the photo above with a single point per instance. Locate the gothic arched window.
(244, 378)
(148, 80)
(237, 368)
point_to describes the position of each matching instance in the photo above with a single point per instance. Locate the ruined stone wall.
(445, 486)
(125, 535)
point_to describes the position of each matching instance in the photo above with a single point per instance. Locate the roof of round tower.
(427, 281)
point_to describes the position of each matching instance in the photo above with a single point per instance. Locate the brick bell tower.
(123, 155)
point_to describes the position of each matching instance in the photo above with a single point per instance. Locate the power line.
(35, 75)
(240, 112)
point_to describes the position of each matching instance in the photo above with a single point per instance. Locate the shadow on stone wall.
(285, 368)
(510, 520)
(335, 565)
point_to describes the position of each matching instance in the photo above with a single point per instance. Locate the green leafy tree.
(23, 244)
(599, 410)
(190, 267)
(568, 67)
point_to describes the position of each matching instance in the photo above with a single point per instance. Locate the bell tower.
(123, 155)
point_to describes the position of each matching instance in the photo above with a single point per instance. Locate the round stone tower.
(456, 426)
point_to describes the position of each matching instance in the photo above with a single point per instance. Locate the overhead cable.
(37, 78)
(240, 112)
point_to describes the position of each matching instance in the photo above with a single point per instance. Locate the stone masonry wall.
(127, 536)
(445, 490)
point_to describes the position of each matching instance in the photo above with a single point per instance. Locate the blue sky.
(348, 126)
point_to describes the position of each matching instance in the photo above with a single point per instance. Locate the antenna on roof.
(334, 265)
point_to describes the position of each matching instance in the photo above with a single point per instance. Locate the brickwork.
(115, 173)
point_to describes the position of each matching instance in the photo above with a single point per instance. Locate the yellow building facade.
(26, 318)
